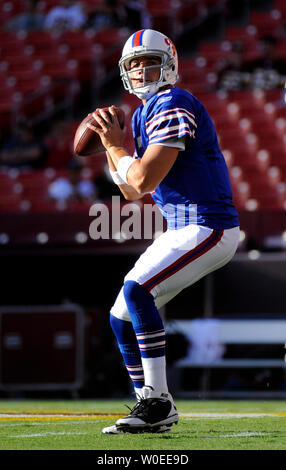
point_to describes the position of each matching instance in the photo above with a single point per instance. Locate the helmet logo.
(171, 45)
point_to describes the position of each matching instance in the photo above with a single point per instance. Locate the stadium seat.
(234, 141)
(42, 40)
(248, 159)
(213, 104)
(110, 37)
(212, 52)
(56, 67)
(7, 11)
(241, 192)
(281, 111)
(242, 34)
(16, 63)
(266, 22)
(274, 95)
(247, 98)
(280, 5)
(13, 47)
(187, 12)
(211, 3)
(163, 13)
(59, 154)
(10, 203)
(92, 6)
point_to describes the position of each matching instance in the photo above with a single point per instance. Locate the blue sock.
(129, 349)
(146, 320)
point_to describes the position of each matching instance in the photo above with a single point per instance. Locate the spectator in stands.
(23, 150)
(73, 187)
(68, 16)
(120, 14)
(30, 20)
(135, 15)
(105, 16)
(267, 71)
(230, 70)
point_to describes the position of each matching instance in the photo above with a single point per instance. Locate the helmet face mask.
(155, 44)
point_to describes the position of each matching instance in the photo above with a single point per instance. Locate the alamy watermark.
(137, 220)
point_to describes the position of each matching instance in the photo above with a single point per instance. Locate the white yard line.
(47, 423)
(240, 434)
(46, 434)
(226, 415)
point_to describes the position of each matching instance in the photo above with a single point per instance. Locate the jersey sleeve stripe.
(159, 139)
(170, 129)
(172, 110)
(168, 117)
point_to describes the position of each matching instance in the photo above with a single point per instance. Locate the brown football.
(86, 141)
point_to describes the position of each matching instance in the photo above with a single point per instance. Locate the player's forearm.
(115, 153)
(128, 191)
(136, 175)
(111, 165)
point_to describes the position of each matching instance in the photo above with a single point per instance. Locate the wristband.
(116, 178)
(123, 166)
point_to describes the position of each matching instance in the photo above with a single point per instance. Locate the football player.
(178, 160)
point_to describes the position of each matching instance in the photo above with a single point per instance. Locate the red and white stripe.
(147, 335)
(131, 371)
(167, 116)
(172, 110)
(150, 346)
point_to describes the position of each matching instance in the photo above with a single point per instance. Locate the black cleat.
(154, 412)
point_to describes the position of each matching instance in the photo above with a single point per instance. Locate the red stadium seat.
(91, 6)
(16, 63)
(110, 37)
(7, 11)
(247, 98)
(212, 52)
(280, 49)
(12, 48)
(273, 95)
(56, 67)
(242, 34)
(266, 22)
(211, 3)
(60, 151)
(277, 154)
(249, 160)
(280, 5)
(10, 203)
(213, 102)
(281, 112)
(163, 15)
(187, 12)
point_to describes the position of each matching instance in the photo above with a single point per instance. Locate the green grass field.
(203, 425)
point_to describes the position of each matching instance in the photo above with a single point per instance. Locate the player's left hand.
(109, 131)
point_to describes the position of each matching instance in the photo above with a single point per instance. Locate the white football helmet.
(149, 42)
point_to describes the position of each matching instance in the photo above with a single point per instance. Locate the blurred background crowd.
(58, 61)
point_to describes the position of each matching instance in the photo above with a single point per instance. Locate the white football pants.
(178, 259)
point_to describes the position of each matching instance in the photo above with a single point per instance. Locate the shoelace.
(139, 407)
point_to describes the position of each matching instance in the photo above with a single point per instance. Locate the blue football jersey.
(197, 189)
